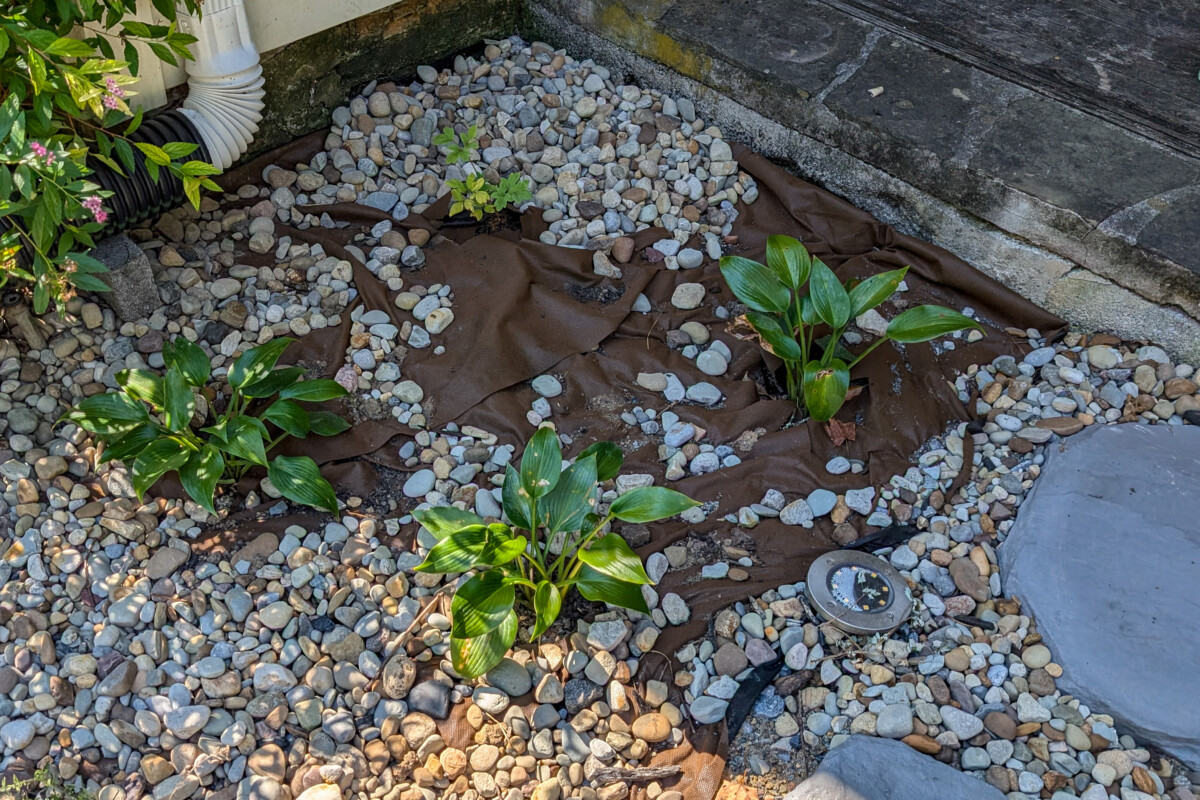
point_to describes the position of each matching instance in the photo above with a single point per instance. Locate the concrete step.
(1083, 197)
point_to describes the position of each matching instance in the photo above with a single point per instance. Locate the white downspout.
(225, 82)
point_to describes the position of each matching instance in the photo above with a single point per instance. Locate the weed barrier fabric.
(524, 308)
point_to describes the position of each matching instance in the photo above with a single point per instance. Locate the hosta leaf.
(829, 298)
(874, 290)
(158, 457)
(314, 391)
(178, 401)
(110, 413)
(275, 381)
(547, 602)
(144, 385)
(200, 474)
(609, 459)
(611, 555)
(541, 464)
(598, 587)
(774, 337)
(457, 552)
(923, 323)
(326, 423)
(243, 438)
(649, 504)
(564, 509)
(825, 388)
(445, 520)
(189, 359)
(290, 416)
(130, 446)
(254, 364)
(298, 478)
(473, 657)
(755, 285)
(515, 500)
(788, 259)
(481, 605)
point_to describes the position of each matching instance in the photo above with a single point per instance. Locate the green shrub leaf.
(598, 587)
(609, 459)
(774, 337)
(541, 464)
(314, 391)
(275, 381)
(189, 359)
(254, 364)
(755, 284)
(179, 402)
(473, 657)
(874, 290)
(829, 298)
(502, 547)
(144, 385)
(547, 602)
(825, 388)
(244, 439)
(457, 552)
(481, 605)
(130, 446)
(649, 504)
(788, 259)
(200, 474)
(564, 509)
(515, 500)
(326, 423)
(109, 413)
(445, 520)
(923, 323)
(611, 555)
(299, 479)
(158, 457)
(290, 416)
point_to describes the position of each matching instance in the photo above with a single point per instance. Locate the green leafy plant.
(556, 540)
(787, 315)
(511, 191)
(460, 147)
(477, 197)
(151, 423)
(62, 96)
(44, 785)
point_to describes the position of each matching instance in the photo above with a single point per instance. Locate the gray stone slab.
(133, 295)
(1106, 554)
(869, 768)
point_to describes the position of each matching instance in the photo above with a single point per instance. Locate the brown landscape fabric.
(523, 308)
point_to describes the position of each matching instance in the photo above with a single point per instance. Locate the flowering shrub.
(62, 94)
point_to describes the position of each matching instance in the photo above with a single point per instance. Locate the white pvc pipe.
(225, 82)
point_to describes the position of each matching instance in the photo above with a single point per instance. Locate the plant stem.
(864, 353)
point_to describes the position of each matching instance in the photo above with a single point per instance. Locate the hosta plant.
(153, 426)
(793, 297)
(554, 541)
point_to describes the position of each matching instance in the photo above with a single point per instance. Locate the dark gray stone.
(869, 768)
(579, 693)
(134, 295)
(1104, 555)
(430, 697)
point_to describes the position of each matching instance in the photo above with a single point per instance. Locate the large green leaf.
(774, 337)
(598, 587)
(200, 474)
(290, 416)
(502, 547)
(109, 413)
(254, 364)
(178, 401)
(299, 479)
(130, 446)
(564, 509)
(923, 323)
(473, 657)
(788, 259)
(541, 464)
(445, 520)
(457, 552)
(825, 388)
(275, 381)
(874, 290)
(243, 438)
(481, 605)
(158, 457)
(144, 385)
(829, 298)
(547, 602)
(609, 459)
(314, 391)
(515, 500)
(189, 358)
(326, 423)
(611, 555)
(808, 311)
(755, 285)
(649, 504)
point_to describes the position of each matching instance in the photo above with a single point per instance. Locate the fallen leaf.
(840, 432)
